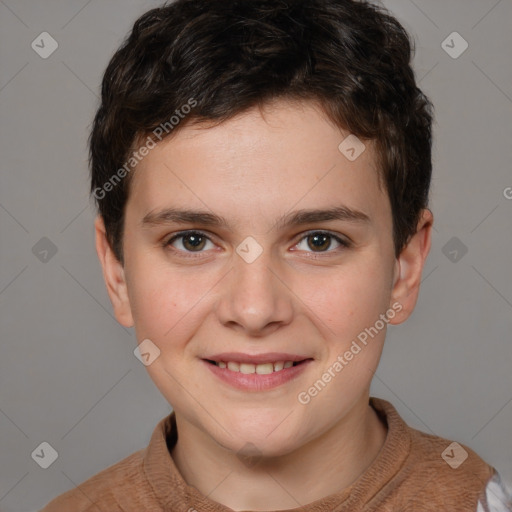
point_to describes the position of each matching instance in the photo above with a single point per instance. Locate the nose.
(256, 299)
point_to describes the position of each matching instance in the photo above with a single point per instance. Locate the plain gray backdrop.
(68, 375)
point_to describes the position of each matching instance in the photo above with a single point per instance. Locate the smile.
(260, 369)
(256, 377)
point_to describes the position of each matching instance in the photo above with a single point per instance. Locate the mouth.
(256, 373)
(260, 369)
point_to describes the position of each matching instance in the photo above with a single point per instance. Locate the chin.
(251, 449)
(264, 439)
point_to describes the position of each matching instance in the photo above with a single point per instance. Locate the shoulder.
(105, 491)
(447, 456)
(431, 472)
(446, 469)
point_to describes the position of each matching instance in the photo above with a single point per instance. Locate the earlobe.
(114, 276)
(409, 266)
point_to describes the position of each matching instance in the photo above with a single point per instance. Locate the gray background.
(68, 375)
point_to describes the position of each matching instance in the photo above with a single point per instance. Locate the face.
(261, 275)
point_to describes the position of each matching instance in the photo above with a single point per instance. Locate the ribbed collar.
(173, 493)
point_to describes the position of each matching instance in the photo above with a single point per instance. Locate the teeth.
(260, 369)
(247, 368)
(264, 369)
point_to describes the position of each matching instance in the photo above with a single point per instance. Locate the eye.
(320, 241)
(190, 241)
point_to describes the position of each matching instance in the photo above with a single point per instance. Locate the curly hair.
(350, 56)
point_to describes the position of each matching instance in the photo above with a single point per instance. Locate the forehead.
(260, 164)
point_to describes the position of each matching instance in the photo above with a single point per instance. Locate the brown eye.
(191, 241)
(321, 241)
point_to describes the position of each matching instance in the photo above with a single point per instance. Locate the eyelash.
(190, 254)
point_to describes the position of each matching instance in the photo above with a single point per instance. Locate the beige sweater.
(408, 475)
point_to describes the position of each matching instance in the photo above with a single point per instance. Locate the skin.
(293, 298)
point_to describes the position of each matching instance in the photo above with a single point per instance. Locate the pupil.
(194, 239)
(322, 239)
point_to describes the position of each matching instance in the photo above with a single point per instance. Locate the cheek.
(348, 301)
(160, 301)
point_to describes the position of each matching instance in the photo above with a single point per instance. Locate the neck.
(339, 456)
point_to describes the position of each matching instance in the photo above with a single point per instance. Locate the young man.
(262, 170)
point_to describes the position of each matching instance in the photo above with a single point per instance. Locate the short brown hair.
(350, 56)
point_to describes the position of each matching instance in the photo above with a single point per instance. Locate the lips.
(247, 379)
(257, 372)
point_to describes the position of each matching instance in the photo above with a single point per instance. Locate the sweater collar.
(173, 493)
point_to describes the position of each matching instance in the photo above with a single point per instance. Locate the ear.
(113, 274)
(408, 269)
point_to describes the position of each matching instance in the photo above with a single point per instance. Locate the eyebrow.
(297, 218)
